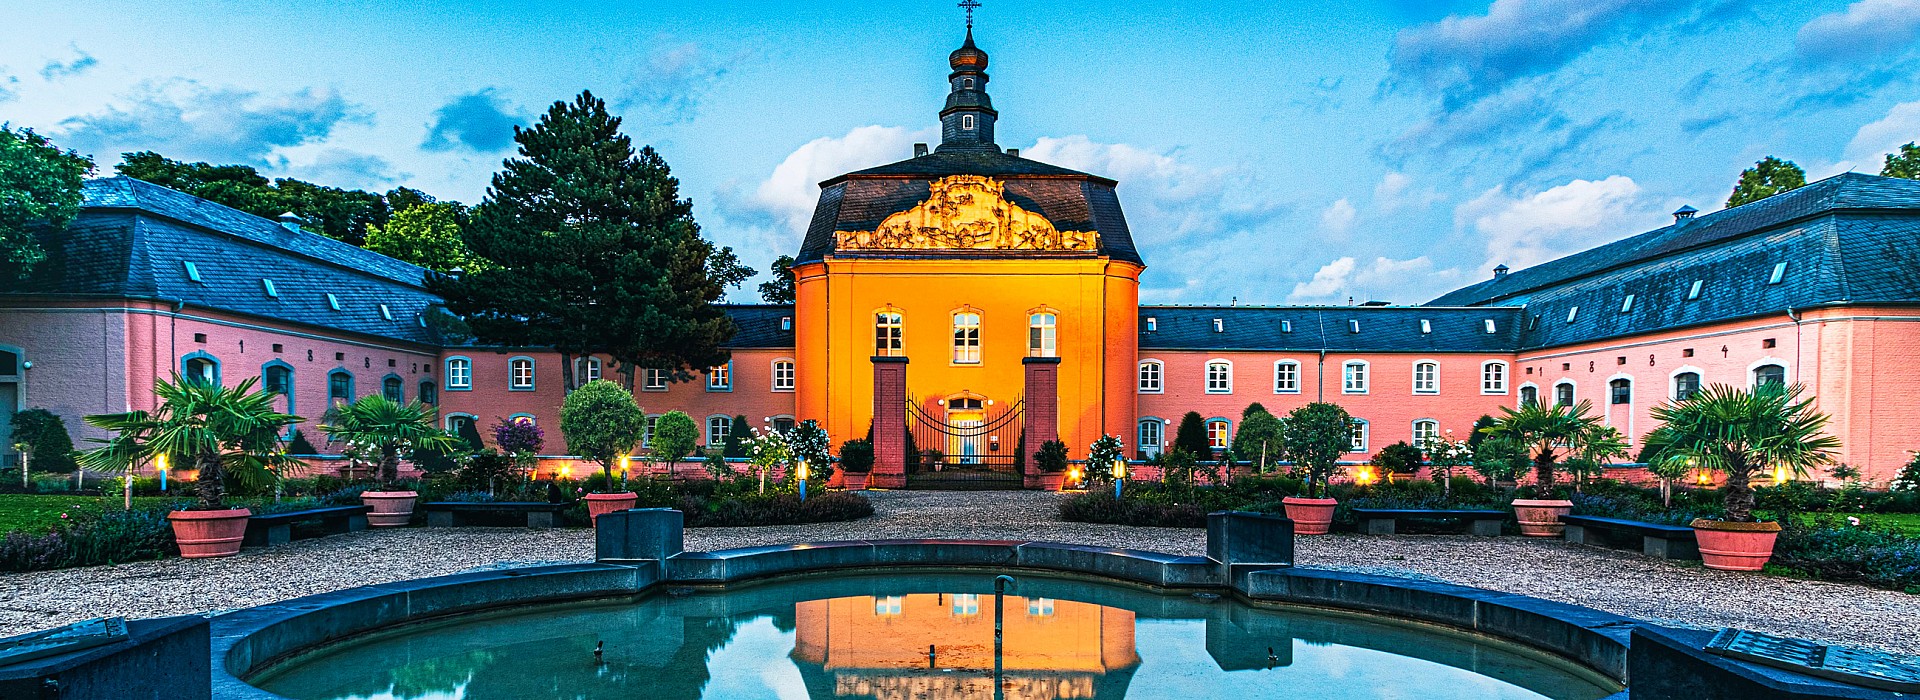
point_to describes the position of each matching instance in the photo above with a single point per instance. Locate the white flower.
(1851, 520)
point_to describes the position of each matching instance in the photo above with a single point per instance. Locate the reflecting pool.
(908, 637)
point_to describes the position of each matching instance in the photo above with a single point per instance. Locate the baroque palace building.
(974, 297)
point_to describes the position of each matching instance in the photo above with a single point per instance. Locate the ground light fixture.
(802, 474)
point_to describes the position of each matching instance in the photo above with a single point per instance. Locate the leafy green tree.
(1765, 179)
(1905, 163)
(1500, 459)
(1593, 450)
(1101, 456)
(1398, 458)
(1742, 433)
(810, 443)
(592, 250)
(39, 186)
(427, 235)
(1479, 432)
(219, 430)
(734, 446)
(1260, 438)
(41, 437)
(780, 290)
(389, 428)
(602, 422)
(337, 213)
(1909, 477)
(1317, 436)
(1544, 432)
(856, 456)
(1253, 408)
(674, 437)
(1192, 436)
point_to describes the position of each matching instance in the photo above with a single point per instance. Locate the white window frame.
(1632, 385)
(784, 376)
(1357, 436)
(966, 347)
(586, 369)
(647, 377)
(720, 377)
(725, 424)
(889, 333)
(1225, 385)
(1521, 394)
(1226, 433)
(1494, 384)
(1433, 386)
(1786, 370)
(1292, 385)
(1159, 377)
(1673, 380)
(1573, 395)
(1159, 433)
(514, 377)
(1043, 329)
(1418, 439)
(459, 374)
(1347, 376)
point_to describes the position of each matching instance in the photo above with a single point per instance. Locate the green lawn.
(39, 513)
(1905, 523)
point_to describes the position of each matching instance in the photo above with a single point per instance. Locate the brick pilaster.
(1040, 417)
(889, 423)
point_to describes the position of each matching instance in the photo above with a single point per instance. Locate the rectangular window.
(1694, 291)
(1426, 378)
(1153, 324)
(966, 339)
(1426, 326)
(717, 428)
(646, 437)
(1573, 313)
(1493, 378)
(1621, 392)
(1150, 377)
(887, 334)
(1353, 326)
(1286, 378)
(1424, 431)
(786, 323)
(720, 378)
(1219, 378)
(653, 379)
(1219, 325)
(1286, 326)
(459, 374)
(1626, 305)
(1150, 437)
(193, 271)
(1354, 378)
(1491, 328)
(272, 291)
(333, 301)
(1357, 437)
(520, 374)
(1779, 273)
(1217, 434)
(385, 312)
(783, 375)
(1042, 340)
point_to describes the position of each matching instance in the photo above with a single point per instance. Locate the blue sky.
(1295, 152)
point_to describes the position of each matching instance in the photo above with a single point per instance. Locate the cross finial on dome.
(969, 6)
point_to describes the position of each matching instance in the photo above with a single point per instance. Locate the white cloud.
(1524, 229)
(1396, 192)
(186, 120)
(1327, 282)
(1866, 28)
(1464, 58)
(1407, 281)
(789, 194)
(1870, 145)
(1337, 218)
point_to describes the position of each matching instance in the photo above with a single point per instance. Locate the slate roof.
(1072, 200)
(1316, 328)
(133, 239)
(758, 325)
(1849, 238)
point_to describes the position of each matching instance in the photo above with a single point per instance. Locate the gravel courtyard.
(1617, 582)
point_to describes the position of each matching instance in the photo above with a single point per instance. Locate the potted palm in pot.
(1316, 436)
(1052, 463)
(1741, 433)
(221, 432)
(856, 460)
(1543, 432)
(601, 422)
(388, 429)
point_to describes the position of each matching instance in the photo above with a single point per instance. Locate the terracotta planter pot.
(1541, 518)
(1735, 546)
(203, 534)
(854, 481)
(390, 508)
(1310, 516)
(1030, 481)
(599, 504)
(1051, 481)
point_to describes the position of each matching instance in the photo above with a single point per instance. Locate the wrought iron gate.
(964, 445)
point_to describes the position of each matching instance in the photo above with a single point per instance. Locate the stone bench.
(1655, 540)
(277, 528)
(1380, 521)
(539, 514)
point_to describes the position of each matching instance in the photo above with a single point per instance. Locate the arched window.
(966, 122)
(966, 338)
(1685, 385)
(429, 394)
(1424, 431)
(278, 379)
(520, 374)
(459, 374)
(1040, 335)
(1563, 394)
(1219, 377)
(783, 376)
(1426, 377)
(1150, 431)
(1150, 372)
(1286, 377)
(1218, 432)
(1769, 374)
(586, 369)
(1529, 395)
(1357, 436)
(1493, 378)
(339, 387)
(200, 368)
(1620, 391)
(1353, 377)
(462, 425)
(391, 388)
(887, 333)
(717, 427)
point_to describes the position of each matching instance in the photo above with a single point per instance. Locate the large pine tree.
(592, 250)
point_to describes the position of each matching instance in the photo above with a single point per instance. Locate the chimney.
(1684, 213)
(291, 221)
(1499, 272)
(919, 149)
(1015, 152)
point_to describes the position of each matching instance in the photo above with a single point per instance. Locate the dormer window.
(333, 302)
(1353, 326)
(966, 122)
(193, 271)
(272, 291)
(786, 323)
(1491, 328)
(1426, 326)
(385, 312)
(1779, 273)
(1153, 324)
(1572, 314)
(1694, 291)
(1219, 325)
(1286, 326)
(966, 83)
(1626, 304)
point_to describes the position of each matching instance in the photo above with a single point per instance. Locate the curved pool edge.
(249, 640)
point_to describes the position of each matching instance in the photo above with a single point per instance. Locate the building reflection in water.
(878, 647)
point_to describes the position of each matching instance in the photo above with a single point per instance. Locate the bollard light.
(160, 465)
(802, 474)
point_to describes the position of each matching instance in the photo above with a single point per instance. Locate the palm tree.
(1592, 449)
(1545, 431)
(220, 431)
(1741, 433)
(391, 427)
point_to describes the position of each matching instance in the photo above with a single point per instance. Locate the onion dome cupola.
(966, 123)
